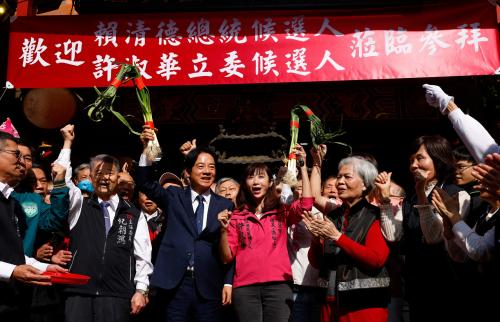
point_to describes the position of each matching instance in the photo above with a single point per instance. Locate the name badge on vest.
(125, 236)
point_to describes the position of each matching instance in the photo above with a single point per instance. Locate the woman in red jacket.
(351, 243)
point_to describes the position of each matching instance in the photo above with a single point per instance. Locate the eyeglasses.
(18, 155)
(462, 167)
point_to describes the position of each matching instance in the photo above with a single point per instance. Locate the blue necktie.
(199, 213)
(107, 221)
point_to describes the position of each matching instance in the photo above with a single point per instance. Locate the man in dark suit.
(15, 268)
(188, 268)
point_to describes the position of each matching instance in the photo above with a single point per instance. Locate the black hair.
(24, 143)
(4, 136)
(244, 197)
(462, 154)
(28, 183)
(44, 169)
(193, 155)
(441, 153)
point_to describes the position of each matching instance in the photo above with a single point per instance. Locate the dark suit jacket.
(181, 239)
(15, 297)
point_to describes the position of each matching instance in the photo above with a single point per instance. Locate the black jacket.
(109, 261)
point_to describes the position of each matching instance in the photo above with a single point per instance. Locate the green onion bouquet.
(105, 100)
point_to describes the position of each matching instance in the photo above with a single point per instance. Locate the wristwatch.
(145, 293)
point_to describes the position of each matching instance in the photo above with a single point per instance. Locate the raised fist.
(436, 97)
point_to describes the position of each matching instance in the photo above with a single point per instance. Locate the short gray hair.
(79, 168)
(364, 169)
(104, 158)
(222, 180)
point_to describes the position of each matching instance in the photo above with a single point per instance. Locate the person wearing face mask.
(255, 237)
(81, 177)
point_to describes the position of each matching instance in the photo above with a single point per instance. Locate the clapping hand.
(488, 174)
(447, 206)
(421, 178)
(320, 228)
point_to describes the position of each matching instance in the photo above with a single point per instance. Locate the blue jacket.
(181, 239)
(39, 215)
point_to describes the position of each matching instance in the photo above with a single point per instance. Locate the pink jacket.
(260, 246)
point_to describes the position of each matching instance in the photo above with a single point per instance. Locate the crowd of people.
(351, 247)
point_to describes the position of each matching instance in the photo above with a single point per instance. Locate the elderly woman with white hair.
(350, 242)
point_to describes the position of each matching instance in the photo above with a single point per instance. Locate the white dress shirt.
(150, 217)
(145, 162)
(195, 203)
(6, 269)
(142, 242)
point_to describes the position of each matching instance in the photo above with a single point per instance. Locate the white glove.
(435, 96)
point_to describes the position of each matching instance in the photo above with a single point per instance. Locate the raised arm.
(56, 215)
(306, 185)
(145, 182)
(474, 136)
(322, 203)
(187, 147)
(306, 201)
(64, 159)
(391, 218)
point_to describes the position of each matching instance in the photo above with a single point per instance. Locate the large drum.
(49, 108)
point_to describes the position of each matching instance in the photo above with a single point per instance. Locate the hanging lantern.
(49, 108)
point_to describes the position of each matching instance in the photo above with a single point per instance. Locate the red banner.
(254, 47)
